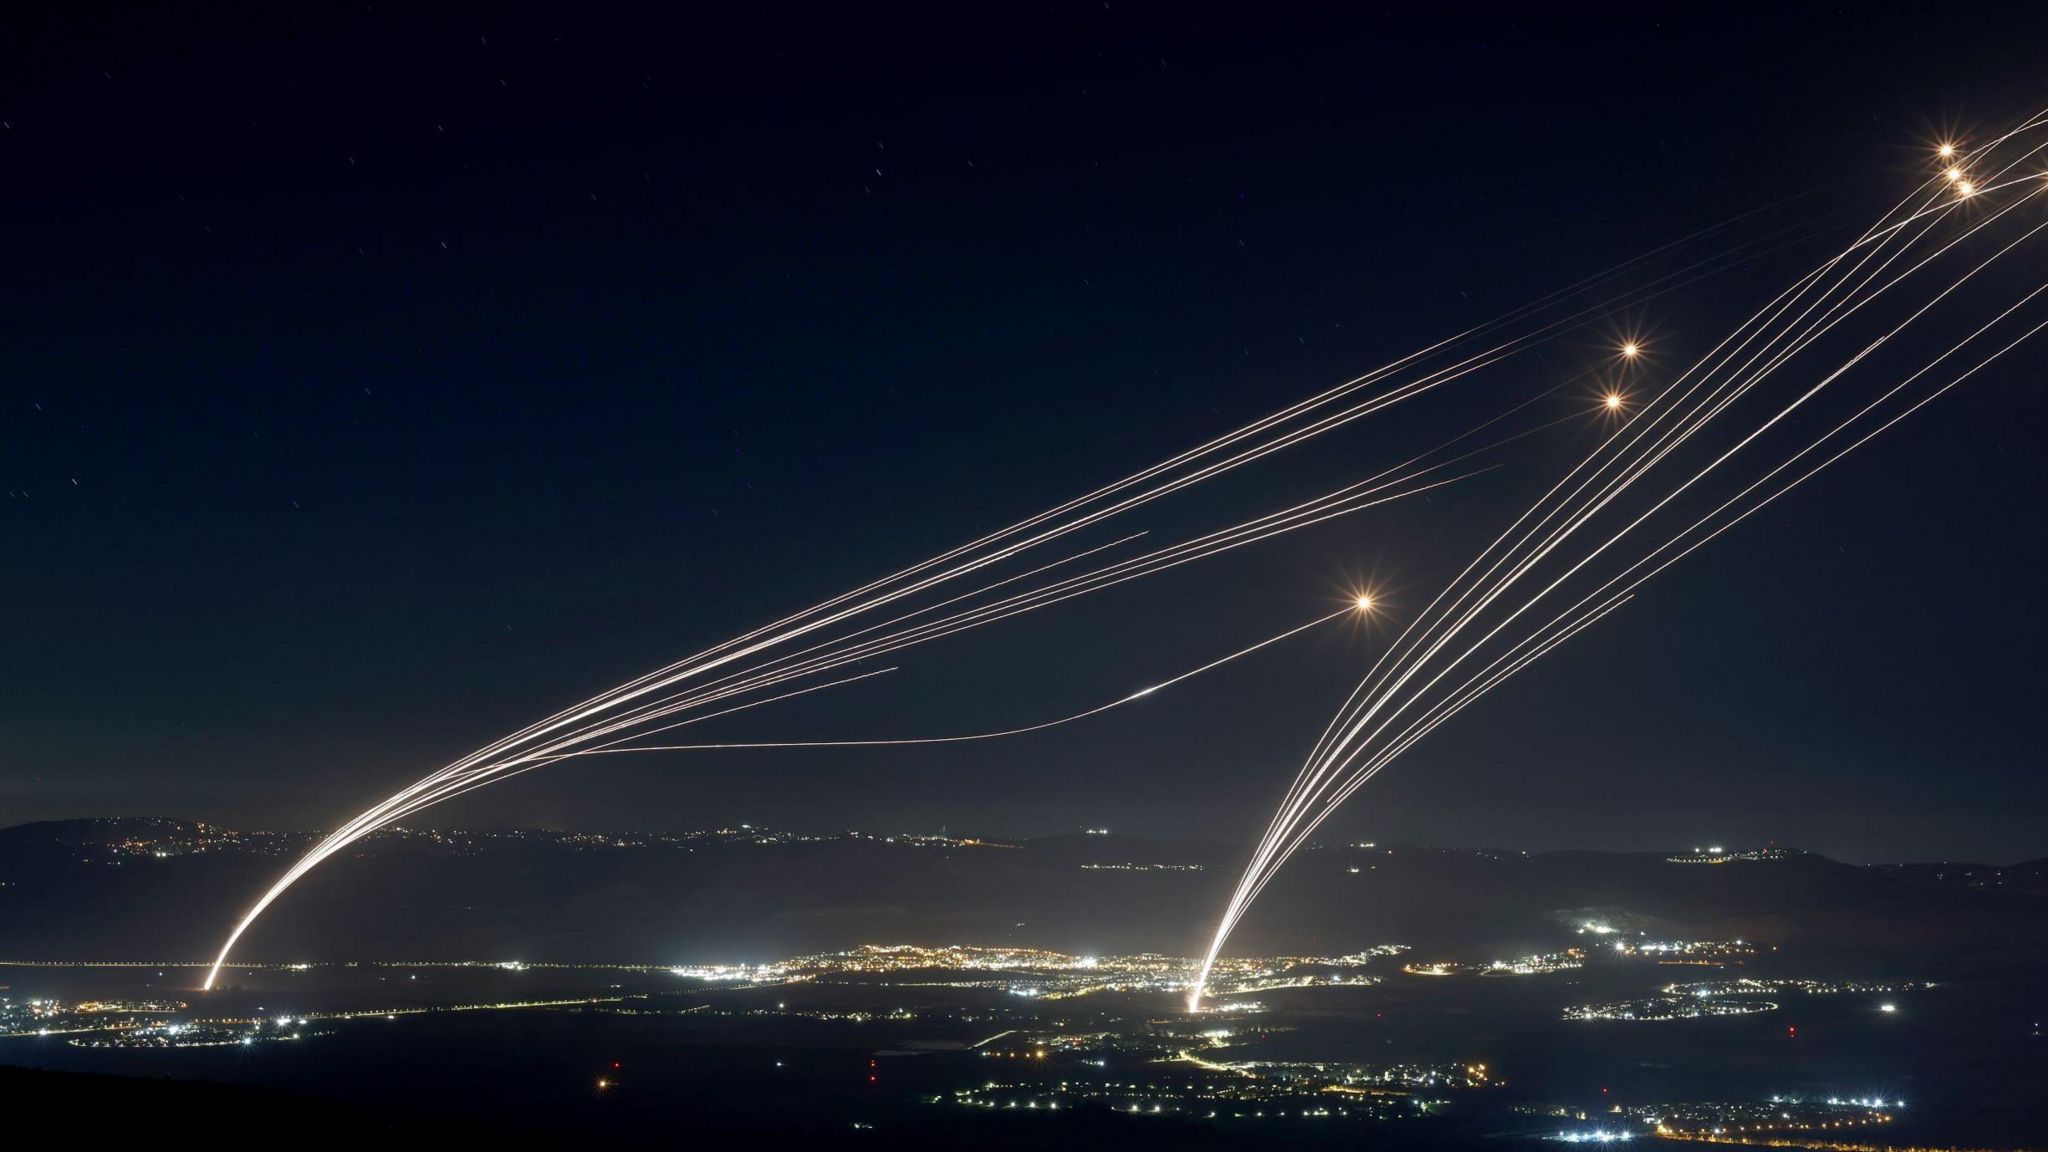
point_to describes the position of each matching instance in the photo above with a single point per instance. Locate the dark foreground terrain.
(747, 985)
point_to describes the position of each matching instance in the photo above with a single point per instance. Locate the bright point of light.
(1887, 1007)
(1613, 401)
(1364, 602)
(1953, 174)
(1966, 189)
(1631, 349)
(1948, 151)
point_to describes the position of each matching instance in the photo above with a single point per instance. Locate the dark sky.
(373, 383)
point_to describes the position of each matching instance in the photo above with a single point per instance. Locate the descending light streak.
(1078, 586)
(1341, 501)
(435, 784)
(599, 715)
(1429, 722)
(447, 785)
(1486, 679)
(719, 655)
(1495, 673)
(452, 782)
(1433, 619)
(1339, 754)
(1300, 515)
(1140, 694)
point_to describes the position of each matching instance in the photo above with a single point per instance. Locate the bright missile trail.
(784, 659)
(1353, 609)
(1411, 689)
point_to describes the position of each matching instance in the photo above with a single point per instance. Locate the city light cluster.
(1037, 973)
(1537, 965)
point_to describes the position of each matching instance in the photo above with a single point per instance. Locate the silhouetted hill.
(74, 1099)
(98, 830)
(167, 890)
(2029, 876)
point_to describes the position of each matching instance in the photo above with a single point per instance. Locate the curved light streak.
(629, 706)
(1363, 738)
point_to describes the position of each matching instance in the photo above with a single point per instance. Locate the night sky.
(372, 384)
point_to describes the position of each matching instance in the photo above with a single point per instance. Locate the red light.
(1792, 1031)
(615, 1065)
(871, 1079)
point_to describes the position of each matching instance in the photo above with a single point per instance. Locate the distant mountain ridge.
(100, 829)
(164, 889)
(109, 830)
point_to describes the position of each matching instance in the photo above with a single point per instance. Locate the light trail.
(1874, 231)
(625, 712)
(1502, 668)
(1363, 738)
(1301, 515)
(1268, 847)
(1383, 660)
(1287, 849)
(456, 780)
(1486, 681)
(1314, 511)
(1353, 609)
(472, 773)
(451, 787)
(538, 761)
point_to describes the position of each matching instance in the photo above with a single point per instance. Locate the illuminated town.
(1539, 965)
(1720, 855)
(1739, 997)
(1699, 953)
(997, 1033)
(166, 839)
(1039, 1032)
